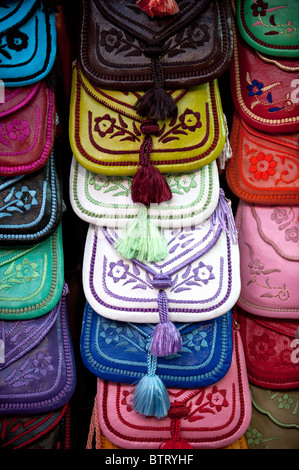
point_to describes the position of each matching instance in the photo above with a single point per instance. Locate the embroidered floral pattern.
(31, 369)
(19, 273)
(107, 125)
(286, 220)
(21, 200)
(16, 130)
(255, 438)
(261, 9)
(118, 42)
(118, 270)
(258, 270)
(257, 89)
(115, 185)
(16, 40)
(262, 166)
(262, 347)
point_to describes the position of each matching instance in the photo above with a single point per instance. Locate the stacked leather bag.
(161, 267)
(263, 174)
(37, 370)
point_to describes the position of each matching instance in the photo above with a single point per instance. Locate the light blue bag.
(27, 41)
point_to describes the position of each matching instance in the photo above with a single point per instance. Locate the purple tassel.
(224, 217)
(166, 339)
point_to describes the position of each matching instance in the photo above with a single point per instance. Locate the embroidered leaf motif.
(271, 33)
(139, 286)
(187, 272)
(272, 20)
(181, 289)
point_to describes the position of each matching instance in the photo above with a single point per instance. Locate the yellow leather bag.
(107, 135)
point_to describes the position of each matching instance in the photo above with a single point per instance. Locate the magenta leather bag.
(269, 256)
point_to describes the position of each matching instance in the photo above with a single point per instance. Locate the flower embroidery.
(262, 166)
(185, 182)
(111, 332)
(262, 347)
(16, 40)
(190, 120)
(42, 364)
(255, 88)
(255, 266)
(26, 270)
(203, 273)
(197, 35)
(197, 340)
(127, 400)
(118, 270)
(18, 130)
(217, 398)
(111, 39)
(26, 198)
(104, 125)
(285, 402)
(279, 215)
(259, 8)
(292, 234)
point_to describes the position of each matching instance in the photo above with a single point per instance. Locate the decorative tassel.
(142, 240)
(156, 103)
(149, 186)
(166, 339)
(223, 215)
(158, 7)
(227, 152)
(150, 395)
(177, 411)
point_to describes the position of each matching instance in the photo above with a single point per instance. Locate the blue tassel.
(150, 395)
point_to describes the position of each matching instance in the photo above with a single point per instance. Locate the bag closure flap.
(15, 13)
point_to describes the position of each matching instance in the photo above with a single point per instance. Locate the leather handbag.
(27, 41)
(39, 431)
(27, 128)
(268, 242)
(121, 351)
(30, 206)
(31, 278)
(121, 47)
(106, 200)
(264, 168)
(203, 418)
(274, 421)
(199, 279)
(269, 349)
(262, 89)
(270, 27)
(38, 373)
(107, 135)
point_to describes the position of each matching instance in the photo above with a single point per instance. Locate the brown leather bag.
(122, 48)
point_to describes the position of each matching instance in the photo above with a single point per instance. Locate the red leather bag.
(264, 168)
(269, 350)
(263, 89)
(27, 129)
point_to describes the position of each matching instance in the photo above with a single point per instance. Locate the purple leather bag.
(37, 369)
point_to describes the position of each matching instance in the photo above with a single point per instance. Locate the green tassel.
(142, 240)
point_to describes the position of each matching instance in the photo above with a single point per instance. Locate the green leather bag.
(31, 278)
(271, 27)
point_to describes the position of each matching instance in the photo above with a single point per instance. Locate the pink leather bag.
(205, 418)
(269, 256)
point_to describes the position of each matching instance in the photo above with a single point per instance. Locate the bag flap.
(31, 207)
(15, 12)
(118, 40)
(27, 135)
(270, 27)
(31, 278)
(264, 168)
(106, 200)
(262, 89)
(43, 378)
(19, 432)
(213, 416)
(268, 351)
(269, 279)
(127, 290)
(27, 42)
(17, 98)
(106, 134)
(279, 227)
(118, 351)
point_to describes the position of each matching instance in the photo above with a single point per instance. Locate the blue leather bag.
(27, 41)
(119, 351)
